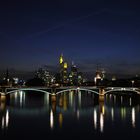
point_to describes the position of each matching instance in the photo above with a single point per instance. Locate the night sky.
(35, 33)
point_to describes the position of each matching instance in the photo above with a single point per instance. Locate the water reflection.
(133, 117)
(60, 120)
(51, 119)
(114, 99)
(18, 98)
(102, 113)
(123, 112)
(130, 101)
(22, 98)
(71, 98)
(78, 114)
(74, 109)
(101, 122)
(16, 93)
(46, 101)
(95, 119)
(79, 99)
(65, 102)
(112, 114)
(5, 120)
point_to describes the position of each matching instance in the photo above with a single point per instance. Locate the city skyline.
(69, 69)
(63, 63)
(34, 33)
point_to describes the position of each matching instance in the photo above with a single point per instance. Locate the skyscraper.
(65, 73)
(63, 70)
(44, 74)
(61, 63)
(73, 75)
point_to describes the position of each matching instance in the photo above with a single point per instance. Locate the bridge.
(59, 90)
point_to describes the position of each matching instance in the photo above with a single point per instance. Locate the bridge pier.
(2, 102)
(101, 108)
(53, 102)
(53, 97)
(3, 98)
(101, 94)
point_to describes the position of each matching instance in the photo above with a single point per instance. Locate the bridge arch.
(123, 89)
(27, 89)
(77, 89)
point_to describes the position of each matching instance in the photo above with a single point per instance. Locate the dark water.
(73, 115)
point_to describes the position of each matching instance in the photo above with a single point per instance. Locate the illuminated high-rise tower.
(65, 74)
(63, 69)
(61, 63)
(61, 59)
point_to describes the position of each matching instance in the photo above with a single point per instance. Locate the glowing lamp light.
(78, 88)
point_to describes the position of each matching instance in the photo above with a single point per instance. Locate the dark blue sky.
(34, 33)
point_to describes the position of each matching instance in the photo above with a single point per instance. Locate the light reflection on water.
(101, 122)
(95, 119)
(5, 120)
(80, 109)
(51, 119)
(133, 117)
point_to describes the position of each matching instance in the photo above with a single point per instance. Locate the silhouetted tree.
(35, 82)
